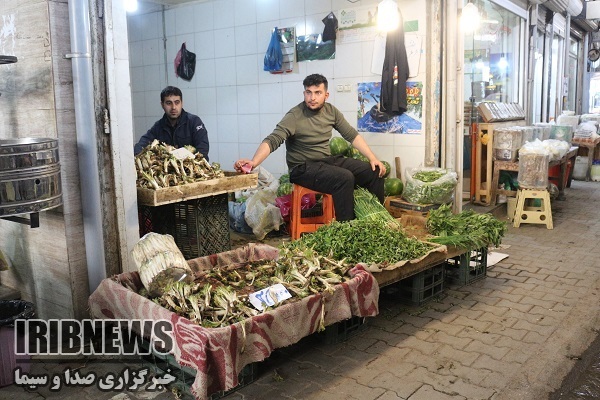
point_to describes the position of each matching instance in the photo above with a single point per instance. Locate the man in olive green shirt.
(306, 130)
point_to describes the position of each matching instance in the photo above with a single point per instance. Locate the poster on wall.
(371, 119)
(312, 47)
(357, 24)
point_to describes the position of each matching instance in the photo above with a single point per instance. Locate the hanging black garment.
(331, 27)
(395, 73)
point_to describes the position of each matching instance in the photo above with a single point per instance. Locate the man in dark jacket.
(177, 127)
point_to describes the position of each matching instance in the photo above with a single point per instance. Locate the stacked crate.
(467, 267)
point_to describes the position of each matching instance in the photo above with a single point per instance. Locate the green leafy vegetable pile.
(468, 229)
(364, 240)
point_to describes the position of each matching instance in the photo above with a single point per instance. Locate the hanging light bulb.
(131, 5)
(470, 18)
(388, 18)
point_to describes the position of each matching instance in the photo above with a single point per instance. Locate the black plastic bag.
(11, 310)
(187, 63)
(274, 55)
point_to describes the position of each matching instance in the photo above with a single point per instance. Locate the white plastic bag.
(262, 215)
(439, 191)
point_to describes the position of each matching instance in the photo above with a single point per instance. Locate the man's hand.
(377, 163)
(243, 165)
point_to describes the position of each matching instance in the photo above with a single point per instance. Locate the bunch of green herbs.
(364, 240)
(367, 206)
(428, 176)
(469, 229)
(430, 186)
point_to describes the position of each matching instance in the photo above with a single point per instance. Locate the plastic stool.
(301, 225)
(527, 213)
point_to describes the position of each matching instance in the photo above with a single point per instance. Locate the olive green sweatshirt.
(306, 133)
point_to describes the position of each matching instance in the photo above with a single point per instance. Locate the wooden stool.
(526, 213)
(299, 225)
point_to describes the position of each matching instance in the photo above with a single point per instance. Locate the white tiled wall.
(239, 102)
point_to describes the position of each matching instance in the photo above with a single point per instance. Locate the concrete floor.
(513, 335)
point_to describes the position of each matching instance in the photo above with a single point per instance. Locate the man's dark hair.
(170, 91)
(314, 80)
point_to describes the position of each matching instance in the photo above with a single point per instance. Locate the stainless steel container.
(29, 176)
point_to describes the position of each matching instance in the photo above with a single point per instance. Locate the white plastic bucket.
(580, 168)
(595, 172)
(511, 207)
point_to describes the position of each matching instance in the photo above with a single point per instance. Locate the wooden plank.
(388, 277)
(230, 183)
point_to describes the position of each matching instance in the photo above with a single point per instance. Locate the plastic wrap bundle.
(507, 142)
(546, 129)
(568, 118)
(530, 133)
(539, 132)
(533, 166)
(590, 117)
(429, 185)
(562, 132)
(556, 148)
(585, 129)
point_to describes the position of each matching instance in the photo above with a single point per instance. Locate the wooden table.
(195, 214)
(563, 180)
(484, 159)
(591, 145)
(388, 277)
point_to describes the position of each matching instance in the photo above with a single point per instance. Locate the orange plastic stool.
(299, 225)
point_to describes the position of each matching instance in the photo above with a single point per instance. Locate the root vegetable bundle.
(157, 167)
(219, 297)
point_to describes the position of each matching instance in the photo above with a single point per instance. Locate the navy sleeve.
(145, 140)
(200, 137)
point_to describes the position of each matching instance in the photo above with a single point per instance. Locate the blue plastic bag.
(274, 55)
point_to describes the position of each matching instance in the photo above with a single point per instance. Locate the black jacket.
(189, 130)
(395, 73)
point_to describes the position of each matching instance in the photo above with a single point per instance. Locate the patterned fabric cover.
(219, 354)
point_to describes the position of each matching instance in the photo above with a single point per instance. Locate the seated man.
(306, 130)
(177, 127)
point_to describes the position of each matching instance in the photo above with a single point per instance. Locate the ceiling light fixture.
(130, 5)
(388, 18)
(470, 18)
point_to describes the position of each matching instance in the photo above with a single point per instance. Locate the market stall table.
(514, 166)
(591, 145)
(391, 276)
(219, 354)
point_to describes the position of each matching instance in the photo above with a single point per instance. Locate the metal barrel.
(29, 176)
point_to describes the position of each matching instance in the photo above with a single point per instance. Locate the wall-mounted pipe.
(87, 147)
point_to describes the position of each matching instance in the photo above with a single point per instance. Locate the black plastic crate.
(315, 211)
(343, 330)
(467, 267)
(420, 288)
(248, 375)
(200, 227)
(185, 376)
